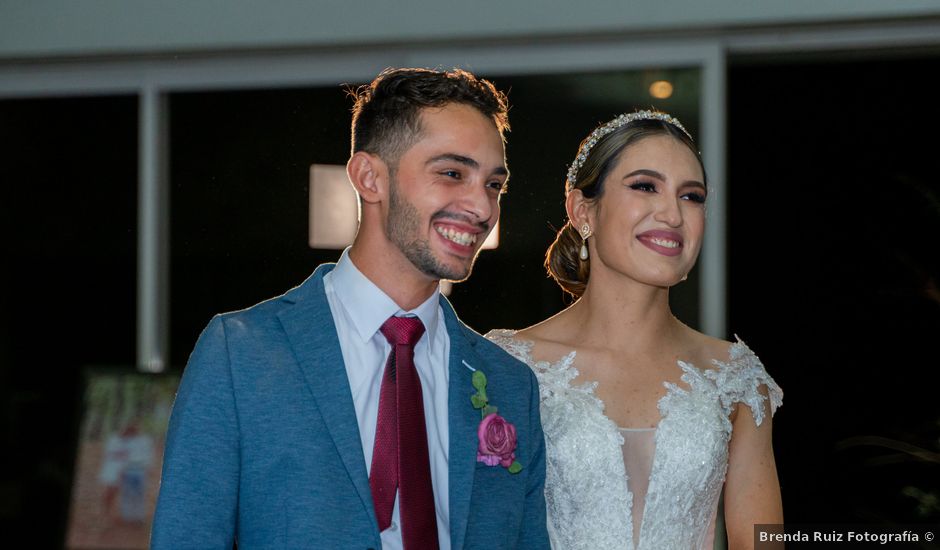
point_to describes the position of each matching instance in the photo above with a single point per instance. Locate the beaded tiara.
(602, 131)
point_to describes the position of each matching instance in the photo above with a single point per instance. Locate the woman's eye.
(643, 186)
(694, 197)
(451, 174)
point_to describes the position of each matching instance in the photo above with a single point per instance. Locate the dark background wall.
(68, 220)
(834, 270)
(833, 204)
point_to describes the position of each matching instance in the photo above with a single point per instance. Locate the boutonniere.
(497, 436)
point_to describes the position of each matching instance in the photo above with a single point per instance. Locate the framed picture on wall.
(119, 457)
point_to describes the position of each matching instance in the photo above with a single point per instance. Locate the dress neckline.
(566, 363)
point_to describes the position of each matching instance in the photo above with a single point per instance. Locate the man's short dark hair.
(386, 114)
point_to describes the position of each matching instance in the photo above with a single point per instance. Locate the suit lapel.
(312, 334)
(462, 424)
(311, 331)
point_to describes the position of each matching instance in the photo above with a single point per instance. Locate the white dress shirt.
(359, 309)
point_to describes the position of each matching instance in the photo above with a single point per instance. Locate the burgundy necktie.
(400, 456)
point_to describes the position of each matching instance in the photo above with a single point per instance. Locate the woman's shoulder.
(704, 352)
(532, 344)
(518, 343)
(747, 381)
(713, 353)
(506, 339)
(500, 334)
(738, 374)
(554, 370)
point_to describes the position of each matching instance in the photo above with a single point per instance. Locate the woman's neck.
(623, 314)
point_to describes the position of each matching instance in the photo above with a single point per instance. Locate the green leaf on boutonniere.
(478, 401)
(488, 410)
(515, 467)
(479, 381)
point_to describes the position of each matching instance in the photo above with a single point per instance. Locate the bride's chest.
(689, 444)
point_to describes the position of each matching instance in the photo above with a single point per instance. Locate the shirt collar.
(369, 307)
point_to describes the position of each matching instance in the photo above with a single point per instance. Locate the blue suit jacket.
(263, 443)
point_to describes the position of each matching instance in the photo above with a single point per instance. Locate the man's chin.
(454, 276)
(451, 272)
(456, 279)
(440, 265)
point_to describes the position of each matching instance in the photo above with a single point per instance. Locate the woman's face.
(649, 222)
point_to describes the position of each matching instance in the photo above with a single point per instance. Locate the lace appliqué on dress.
(692, 446)
(586, 490)
(585, 485)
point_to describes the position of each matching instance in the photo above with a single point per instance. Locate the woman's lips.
(667, 243)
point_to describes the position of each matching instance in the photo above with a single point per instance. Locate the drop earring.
(585, 233)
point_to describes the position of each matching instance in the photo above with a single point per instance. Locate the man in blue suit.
(356, 410)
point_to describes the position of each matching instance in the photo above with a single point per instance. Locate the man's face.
(444, 196)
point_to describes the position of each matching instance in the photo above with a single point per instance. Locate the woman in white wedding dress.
(646, 420)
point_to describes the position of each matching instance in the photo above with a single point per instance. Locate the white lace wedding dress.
(656, 488)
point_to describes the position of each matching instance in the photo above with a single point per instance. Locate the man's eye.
(451, 174)
(498, 186)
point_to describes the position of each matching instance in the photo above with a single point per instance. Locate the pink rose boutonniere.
(497, 437)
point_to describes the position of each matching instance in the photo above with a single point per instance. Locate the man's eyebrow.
(466, 161)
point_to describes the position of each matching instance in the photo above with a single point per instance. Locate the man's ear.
(369, 176)
(580, 210)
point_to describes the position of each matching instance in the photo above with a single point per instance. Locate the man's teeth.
(459, 237)
(665, 242)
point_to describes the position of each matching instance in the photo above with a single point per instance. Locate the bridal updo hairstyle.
(562, 259)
